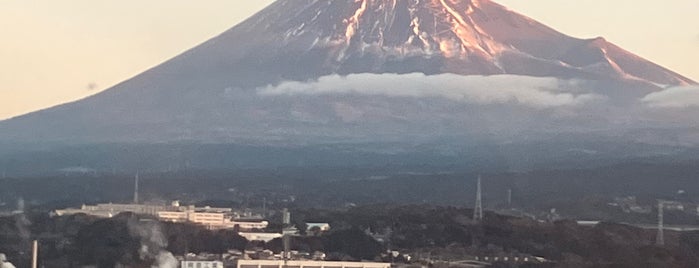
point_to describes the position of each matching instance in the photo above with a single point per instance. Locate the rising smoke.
(153, 243)
(4, 263)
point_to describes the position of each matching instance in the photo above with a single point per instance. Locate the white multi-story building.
(109, 210)
(212, 218)
(308, 264)
(201, 264)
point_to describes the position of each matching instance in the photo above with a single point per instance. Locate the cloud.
(674, 97)
(535, 92)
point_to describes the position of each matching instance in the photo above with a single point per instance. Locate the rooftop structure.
(478, 209)
(264, 237)
(323, 227)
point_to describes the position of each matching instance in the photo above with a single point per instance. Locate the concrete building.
(201, 264)
(307, 264)
(673, 205)
(250, 225)
(110, 210)
(210, 217)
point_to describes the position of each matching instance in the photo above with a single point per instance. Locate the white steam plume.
(4, 263)
(153, 243)
(165, 259)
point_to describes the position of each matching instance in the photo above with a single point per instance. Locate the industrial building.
(210, 217)
(109, 210)
(214, 219)
(201, 264)
(308, 264)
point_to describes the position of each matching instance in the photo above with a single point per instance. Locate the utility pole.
(264, 207)
(135, 189)
(509, 198)
(660, 239)
(35, 254)
(286, 221)
(478, 209)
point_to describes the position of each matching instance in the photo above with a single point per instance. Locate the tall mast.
(660, 239)
(509, 198)
(478, 209)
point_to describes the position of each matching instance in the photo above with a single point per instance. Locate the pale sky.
(52, 51)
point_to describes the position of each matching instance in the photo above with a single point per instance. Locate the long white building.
(210, 217)
(308, 264)
(109, 210)
(201, 264)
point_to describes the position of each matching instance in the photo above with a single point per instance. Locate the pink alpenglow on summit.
(468, 36)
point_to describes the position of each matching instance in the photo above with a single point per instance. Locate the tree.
(353, 242)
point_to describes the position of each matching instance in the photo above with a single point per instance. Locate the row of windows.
(289, 266)
(172, 214)
(191, 264)
(209, 216)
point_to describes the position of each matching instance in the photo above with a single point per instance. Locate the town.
(266, 235)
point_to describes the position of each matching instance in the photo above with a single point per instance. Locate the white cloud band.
(674, 97)
(535, 92)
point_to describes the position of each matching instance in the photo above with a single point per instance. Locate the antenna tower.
(478, 209)
(509, 198)
(660, 239)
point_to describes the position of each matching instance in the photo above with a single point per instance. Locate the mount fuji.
(368, 71)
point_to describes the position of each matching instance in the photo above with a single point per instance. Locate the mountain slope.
(211, 92)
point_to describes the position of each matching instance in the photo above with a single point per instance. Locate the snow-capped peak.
(462, 36)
